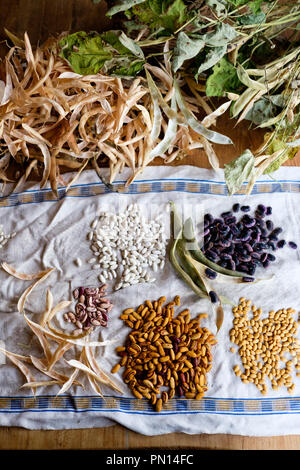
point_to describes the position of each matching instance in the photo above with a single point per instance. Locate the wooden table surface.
(40, 18)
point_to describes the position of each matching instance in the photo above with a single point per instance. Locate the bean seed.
(270, 339)
(150, 351)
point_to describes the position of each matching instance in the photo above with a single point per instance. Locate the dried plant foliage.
(51, 117)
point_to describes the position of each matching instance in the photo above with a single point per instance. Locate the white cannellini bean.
(94, 223)
(142, 243)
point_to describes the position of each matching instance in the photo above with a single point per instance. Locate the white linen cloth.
(54, 233)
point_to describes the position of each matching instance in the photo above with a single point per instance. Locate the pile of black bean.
(243, 242)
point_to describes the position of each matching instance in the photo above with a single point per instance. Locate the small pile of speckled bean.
(91, 309)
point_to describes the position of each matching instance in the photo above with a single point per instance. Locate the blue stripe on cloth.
(217, 406)
(147, 186)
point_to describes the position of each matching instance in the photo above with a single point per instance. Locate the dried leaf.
(123, 5)
(186, 48)
(238, 171)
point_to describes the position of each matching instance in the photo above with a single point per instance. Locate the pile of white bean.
(126, 245)
(5, 237)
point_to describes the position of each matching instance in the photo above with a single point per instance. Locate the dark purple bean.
(245, 208)
(208, 218)
(261, 208)
(213, 297)
(224, 230)
(210, 274)
(261, 224)
(223, 263)
(231, 265)
(225, 243)
(271, 245)
(242, 267)
(230, 220)
(271, 257)
(263, 245)
(259, 215)
(245, 236)
(248, 279)
(248, 221)
(263, 233)
(245, 259)
(239, 248)
(210, 258)
(256, 238)
(266, 264)
(270, 225)
(252, 269)
(276, 231)
(229, 236)
(281, 243)
(236, 207)
(229, 250)
(293, 245)
(260, 247)
(211, 254)
(225, 256)
(255, 255)
(269, 210)
(248, 247)
(257, 262)
(235, 258)
(213, 235)
(234, 229)
(226, 214)
(264, 257)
